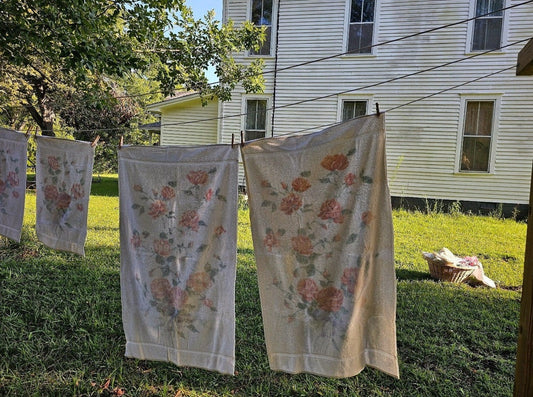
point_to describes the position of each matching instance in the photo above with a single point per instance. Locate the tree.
(50, 49)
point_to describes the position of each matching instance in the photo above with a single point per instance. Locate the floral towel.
(63, 176)
(13, 158)
(178, 229)
(323, 240)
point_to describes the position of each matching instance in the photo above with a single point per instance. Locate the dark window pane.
(267, 13)
(257, 11)
(255, 119)
(485, 118)
(251, 111)
(475, 155)
(368, 11)
(251, 135)
(487, 34)
(357, 11)
(482, 7)
(352, 109)
(360, 38)
(496, 5)
(261, 115)
(265, 47)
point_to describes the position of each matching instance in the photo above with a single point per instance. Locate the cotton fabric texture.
(63, 177)
(13, 159)
(323, 239)
(178, 230)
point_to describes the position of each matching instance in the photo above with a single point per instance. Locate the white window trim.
(354, 97)
(272, 31)
(346, 31)
(268, 123)
(470, 30)
(496, 97)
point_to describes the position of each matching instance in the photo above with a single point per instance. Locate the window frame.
(268, 113)
(272, 30)
(471, 27)
(346, 32)
(369, 99)
(465, 98)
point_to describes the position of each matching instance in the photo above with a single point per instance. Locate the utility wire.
(364, 48)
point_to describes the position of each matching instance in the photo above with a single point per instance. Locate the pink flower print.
(265, 183)
(208, 195)
(191, 220)
(330, 299)
(160, 288)
(208, 303)
(197, 177)
(178, 298)
(349, 278)
(301, 184)
(77, 191)
(2, 186)
(284, 185)
(79, 206)
(162, 247)
(349, 179)
(53, 162)
(290, 203)
(270, 241)
(63, 200)
(302, 245)
(13, 178)
(335, 162)
(50, 193)
(307, 289)
(367, 217)
(157, 209)
(15, 194)
(199, 282)
(331, 209)
(168, 193)
(137, 188)
(220, 231)
(136, 240)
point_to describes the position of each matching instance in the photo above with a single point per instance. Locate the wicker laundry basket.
(446, 272)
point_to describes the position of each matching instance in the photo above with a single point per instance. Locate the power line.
(364, 48)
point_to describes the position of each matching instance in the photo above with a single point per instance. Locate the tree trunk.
(42, 112)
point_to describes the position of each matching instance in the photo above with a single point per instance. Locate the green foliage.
(61, 330)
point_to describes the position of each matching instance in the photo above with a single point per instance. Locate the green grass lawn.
(61, 331)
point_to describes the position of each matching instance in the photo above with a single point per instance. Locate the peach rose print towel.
(323, 240)
(178, 230)
(13, 158)
(64, 172)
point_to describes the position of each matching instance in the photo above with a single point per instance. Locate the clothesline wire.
(404, 104)
(393, 79)
(386, 42)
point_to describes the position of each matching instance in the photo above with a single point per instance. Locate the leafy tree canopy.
(57, 56)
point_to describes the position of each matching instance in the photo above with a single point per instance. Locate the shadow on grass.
(405, 274)
(104, 186)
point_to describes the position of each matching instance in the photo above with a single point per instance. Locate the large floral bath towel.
(64, 172)
(13, 158)
(323, 240)
(178, 227)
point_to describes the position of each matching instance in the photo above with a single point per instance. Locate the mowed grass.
(61, 331)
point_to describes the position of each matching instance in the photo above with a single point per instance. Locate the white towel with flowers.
(63, 178)
(323, 240)
(13, 158)
(178, 230)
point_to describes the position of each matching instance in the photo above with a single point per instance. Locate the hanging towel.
(178, 230)
(13, 159)
(322, 231)
(63, 174)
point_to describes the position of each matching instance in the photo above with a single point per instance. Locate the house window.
(487, 34)
(477, 136)
(353, 109)
(262, 16)
(256, 119)
(361, 26)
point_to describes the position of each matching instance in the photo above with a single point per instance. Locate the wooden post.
(523, 386)
(524, 66)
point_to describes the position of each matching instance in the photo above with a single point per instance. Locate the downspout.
(275, 70)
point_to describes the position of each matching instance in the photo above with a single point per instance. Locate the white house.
(472, 143)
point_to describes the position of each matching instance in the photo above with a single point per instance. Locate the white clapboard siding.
(173, 132)
(422, 138)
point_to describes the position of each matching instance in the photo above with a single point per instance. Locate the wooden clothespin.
(377, 109)
(232, 140)
(242, 138)
(121, 142)
(95, 142)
